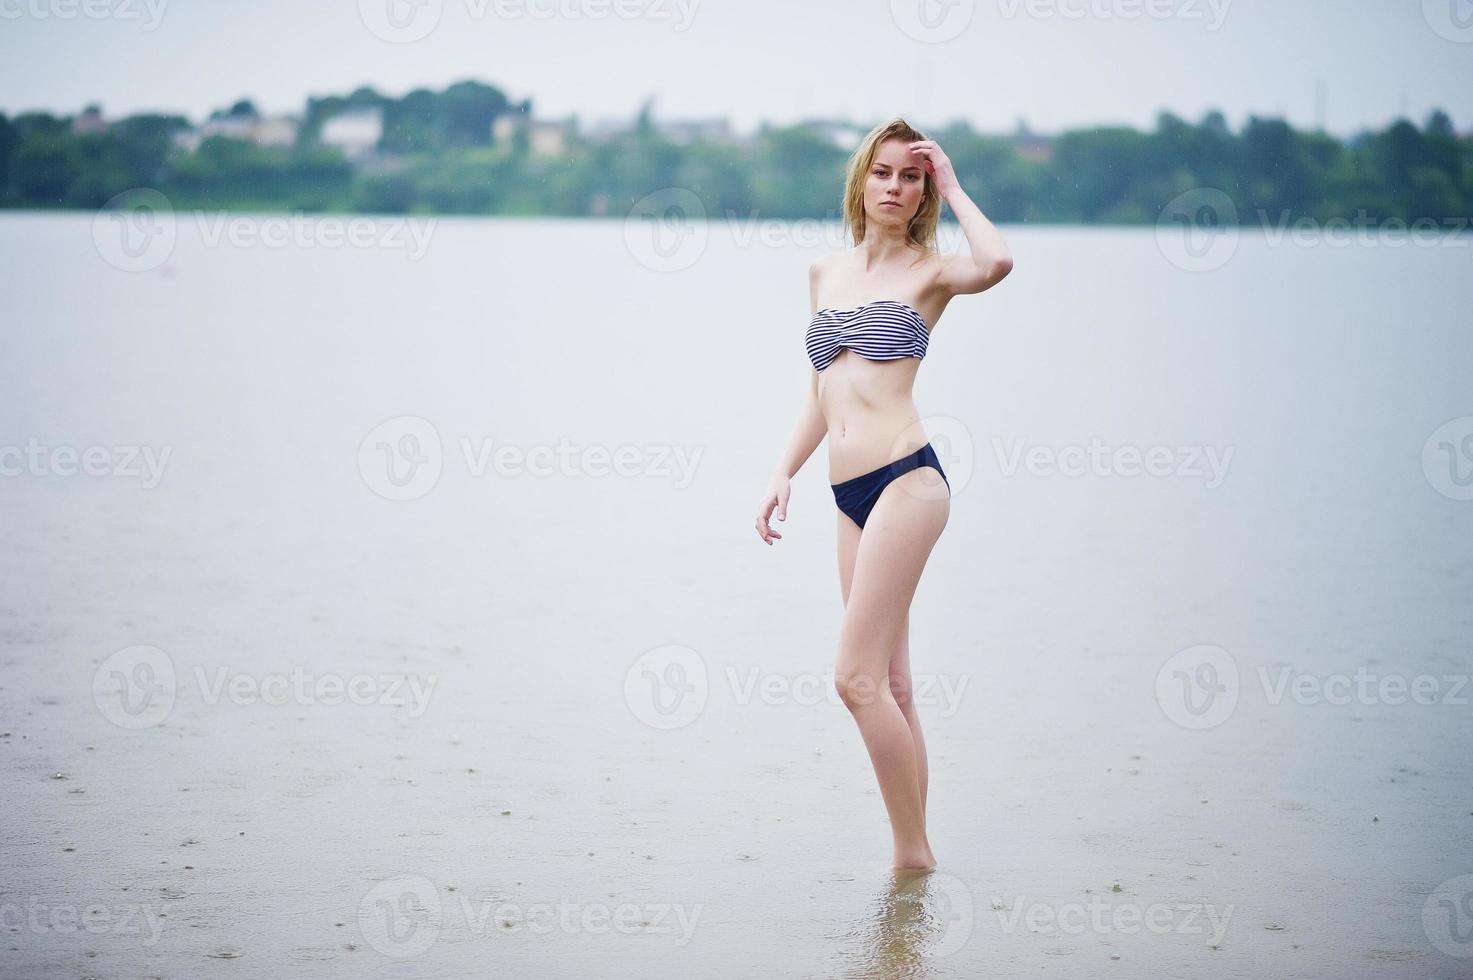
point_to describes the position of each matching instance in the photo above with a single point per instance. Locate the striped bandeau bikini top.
(882, 330)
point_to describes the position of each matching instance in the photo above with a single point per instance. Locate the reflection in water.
(919, 917)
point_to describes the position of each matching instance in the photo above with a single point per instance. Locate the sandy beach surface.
(304, 680)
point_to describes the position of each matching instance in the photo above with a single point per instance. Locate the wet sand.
(260, 720)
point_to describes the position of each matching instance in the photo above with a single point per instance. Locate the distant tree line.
(438, 154)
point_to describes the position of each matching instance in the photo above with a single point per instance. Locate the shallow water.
(593, 732)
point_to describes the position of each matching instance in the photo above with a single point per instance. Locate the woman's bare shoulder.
(826, 262)
(932, 273)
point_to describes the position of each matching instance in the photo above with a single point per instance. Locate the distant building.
(505, 126)
(356, 133)
(601, 130)
(1030, 145)
(845, 136)
(679, 131)
(233, 127)
(187, 140)
(548, 137)
(276, 131)
(686, 131)
(90, 121)
(545, 137)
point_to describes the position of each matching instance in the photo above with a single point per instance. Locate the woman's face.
(896, 181)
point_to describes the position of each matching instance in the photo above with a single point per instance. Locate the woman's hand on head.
(938, 163)
(777, 498)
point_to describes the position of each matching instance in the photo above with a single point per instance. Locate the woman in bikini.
(874, 306)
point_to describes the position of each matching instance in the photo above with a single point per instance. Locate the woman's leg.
(848, 536)
(900, 681)
(902, 688)
(892, 552)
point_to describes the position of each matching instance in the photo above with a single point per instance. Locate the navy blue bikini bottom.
(857, 497)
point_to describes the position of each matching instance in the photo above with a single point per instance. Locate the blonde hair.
(922, 228)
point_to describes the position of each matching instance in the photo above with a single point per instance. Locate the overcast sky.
(1054, 63)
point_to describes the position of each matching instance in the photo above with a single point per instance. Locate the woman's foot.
(914, 860)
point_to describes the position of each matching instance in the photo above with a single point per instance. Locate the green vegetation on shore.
(468, 150)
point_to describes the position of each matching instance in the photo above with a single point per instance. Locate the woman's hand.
(777, 496)
(937, 163)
